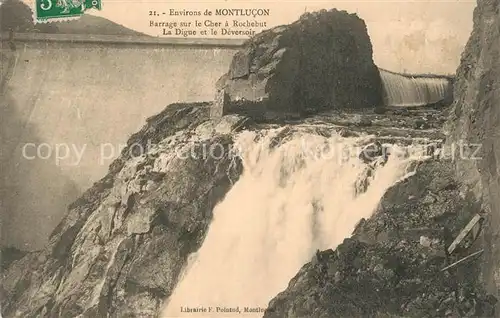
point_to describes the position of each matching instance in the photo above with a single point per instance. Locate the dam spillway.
(410, 91)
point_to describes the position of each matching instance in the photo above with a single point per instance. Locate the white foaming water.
(288, 203)
(419, 91)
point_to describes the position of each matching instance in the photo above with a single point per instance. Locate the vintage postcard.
(232, 158)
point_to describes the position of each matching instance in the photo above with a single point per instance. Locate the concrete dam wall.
(68, 107)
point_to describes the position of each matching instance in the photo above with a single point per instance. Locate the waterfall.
(414, 91)
(294, 197)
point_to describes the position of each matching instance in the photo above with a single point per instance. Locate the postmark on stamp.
(50, 10)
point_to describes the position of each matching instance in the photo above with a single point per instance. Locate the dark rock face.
(475, 120)
(322, 61)
(119, 250)
(392, 266)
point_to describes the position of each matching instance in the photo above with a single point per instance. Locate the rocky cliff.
(322, 61)
(475, 122)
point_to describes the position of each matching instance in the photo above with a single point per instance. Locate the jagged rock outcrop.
(475, 122)
(119, 250)
(392, 266)
(322, 61)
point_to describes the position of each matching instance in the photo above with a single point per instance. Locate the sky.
(413, 36)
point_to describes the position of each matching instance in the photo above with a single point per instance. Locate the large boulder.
(322, 61)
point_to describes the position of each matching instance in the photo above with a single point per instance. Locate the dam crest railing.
(122, 39)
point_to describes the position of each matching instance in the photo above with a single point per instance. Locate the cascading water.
(413, 91)
(293, 198)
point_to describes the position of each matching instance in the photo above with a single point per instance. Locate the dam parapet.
(122, 39)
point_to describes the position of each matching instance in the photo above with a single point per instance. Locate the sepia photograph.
(228, 158)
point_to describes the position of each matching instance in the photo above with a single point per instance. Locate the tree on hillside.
(17, 16)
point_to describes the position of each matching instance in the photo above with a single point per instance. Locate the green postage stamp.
(47, 10)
